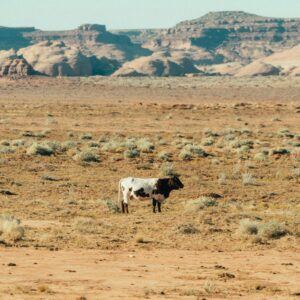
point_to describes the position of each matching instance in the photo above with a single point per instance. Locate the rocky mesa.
(231, 43)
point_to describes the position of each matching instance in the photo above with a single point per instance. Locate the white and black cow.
(157, 189)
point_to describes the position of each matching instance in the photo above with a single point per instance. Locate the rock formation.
(158, 64)
(219, 43)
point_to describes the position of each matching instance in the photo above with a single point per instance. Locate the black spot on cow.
(130, 189)
(141, 193)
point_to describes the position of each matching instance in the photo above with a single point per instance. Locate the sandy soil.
(152, 274)
(76, 246)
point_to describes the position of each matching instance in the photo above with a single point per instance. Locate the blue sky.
(117, 14)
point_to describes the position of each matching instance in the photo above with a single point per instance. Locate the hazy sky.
(117, 14)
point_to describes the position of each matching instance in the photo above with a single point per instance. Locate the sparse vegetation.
(167, 169)
(43, 149)
(200, 203)
(163, 155)
(187, 229)
(11, 229)
(248, 179)
(269, 230)
(131, 153)
(86, 156)
(186, 154)
(86, 225)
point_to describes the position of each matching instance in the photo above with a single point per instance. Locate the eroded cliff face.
(13, 38)
(229, 36)
(217, 43)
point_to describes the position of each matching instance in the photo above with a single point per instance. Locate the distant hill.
(211, 44)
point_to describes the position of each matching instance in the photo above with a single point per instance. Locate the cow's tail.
(119, 193)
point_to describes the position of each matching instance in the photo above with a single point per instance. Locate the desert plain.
(233, 232)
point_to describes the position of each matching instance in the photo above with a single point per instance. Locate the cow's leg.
(126, 200)
(154, 205)
(123, 207)
(159, 206)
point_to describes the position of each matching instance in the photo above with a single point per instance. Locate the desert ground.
(233, 232)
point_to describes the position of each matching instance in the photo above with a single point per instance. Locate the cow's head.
(175, 183)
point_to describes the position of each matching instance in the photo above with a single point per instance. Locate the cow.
(157, 189)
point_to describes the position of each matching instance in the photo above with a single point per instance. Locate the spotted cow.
(157, 189)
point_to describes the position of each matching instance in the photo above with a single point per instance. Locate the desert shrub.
(248, 227)
(209, 287)
(163, 155)
(186, 154)
(187, 229)
(246, 131)
(199, 204)
(10, 229)
(40, 149)
(280, 151)
(112, 146)
(222, 178)
(208, 141)
(198, 151)
(167, 169)
(145, 145)
(181, 143)
(241, 143)
(272, 230)
(296, 172)
(49, 178)
(209, 133)
(67, 145)
(215, 161)
(93, 144)
(243, 150)
(260, 156)
(269, 230)
(103, 139)
(112, 206)
(86, 156)
(4, 143)
(162, 142)
(129, 143)
(86, 136)
(189, 151)
(6, 149)
(18, 143)
(86, 225)
(131, 153)
(70, 134)
(285, 133)
(248, 179)
(229, 137)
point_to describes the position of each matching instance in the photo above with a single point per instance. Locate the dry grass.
(199, 204)
(11, 230)
(269, 230)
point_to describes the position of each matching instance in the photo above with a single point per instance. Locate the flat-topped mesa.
(230, 18)
(83, 34)
(92, 27)
(230, 28)
(12, 37)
